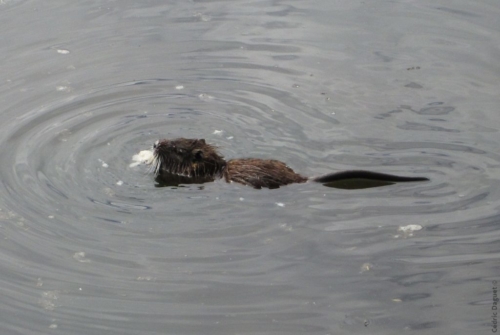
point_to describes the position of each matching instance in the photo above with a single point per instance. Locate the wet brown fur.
(261, 173)
(185, 160)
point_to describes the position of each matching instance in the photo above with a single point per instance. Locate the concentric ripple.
(82, 209)
(69, 161)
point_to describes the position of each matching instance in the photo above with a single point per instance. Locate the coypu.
(193, 161)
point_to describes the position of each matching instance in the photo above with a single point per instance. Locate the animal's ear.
(198, 154)
(202, 141)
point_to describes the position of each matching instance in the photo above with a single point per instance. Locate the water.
(91, 246)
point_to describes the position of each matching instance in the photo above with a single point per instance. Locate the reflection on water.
(90, 245)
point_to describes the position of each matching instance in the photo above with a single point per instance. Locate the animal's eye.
(198, 154)
(181, 151)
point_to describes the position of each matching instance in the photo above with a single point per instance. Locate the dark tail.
(357, 179)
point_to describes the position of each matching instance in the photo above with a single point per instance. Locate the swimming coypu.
(193, 161)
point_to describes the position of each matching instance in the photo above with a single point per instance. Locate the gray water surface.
(90, 245)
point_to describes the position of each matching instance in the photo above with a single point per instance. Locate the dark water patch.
(458, 11)
(425, 127)
(414, 85)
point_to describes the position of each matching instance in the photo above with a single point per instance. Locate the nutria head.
(187, 157)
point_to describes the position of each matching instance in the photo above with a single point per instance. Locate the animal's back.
(260, 173)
